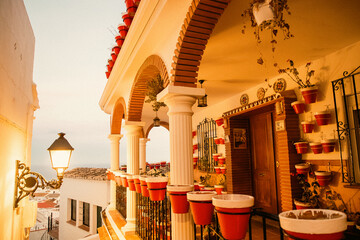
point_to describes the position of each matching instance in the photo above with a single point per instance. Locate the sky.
(73, 40)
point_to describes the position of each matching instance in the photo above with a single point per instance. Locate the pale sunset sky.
(73, 40)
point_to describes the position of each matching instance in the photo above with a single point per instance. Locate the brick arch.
(152, 66)
(117, 115)
(195, 32)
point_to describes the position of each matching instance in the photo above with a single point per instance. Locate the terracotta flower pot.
(328, 225)
(233, 211)
(111, 62)
(302, 205)
(209, 189)
(302, 168)
(201, 187)
(328, 145)
(107, 74)
(316, 147)
(163, 164)
(123, 30)
(217, 170)
(298, 106)
(143, 185)
(157, 165)
(322, 117)
(323, 178)
(309, 94)
(194, 164)
(131, 11)
(124, 181)
(179, 203)
(123, 168)
(216, 156)
(193, 133)
(119, 40)
(113, 56)
(137, 183)
(108, 174)
(201, 206)
(137, 2)
(118, 180)
(127, 19)
(157, 187)
(217, 140)
(221, 160)
(195, 146)
(219, 189)
(263, 12)
(108, 68)
(223, 170)
(116, 50)
(195, 159)
(222, 141)
(219, 121)
(151, 166)
(301, 147)
(129, 3)
(131, 182)
(196, 187)
(307, 126)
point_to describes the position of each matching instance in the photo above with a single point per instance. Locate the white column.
(180, 101)
(114, 165)
(142, 155)
(133, 134)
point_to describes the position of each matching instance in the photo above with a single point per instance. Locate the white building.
(84, 194)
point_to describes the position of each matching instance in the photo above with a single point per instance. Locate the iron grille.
(206, 132)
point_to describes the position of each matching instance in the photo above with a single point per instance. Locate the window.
(98, 216)
(86, 214)
(73, 210)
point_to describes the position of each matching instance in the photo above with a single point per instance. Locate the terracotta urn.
(201, 206)
(309, 94)
(233, 211)
(322, 117)
(302, 168)
(328, 145)
(301, 147)
(178, 198)
(323, 178)
(157, 187)
(219, 189)
(307, 126)
(314, 224)
(298, 106)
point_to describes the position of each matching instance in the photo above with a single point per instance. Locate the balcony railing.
(121, 200)
(153, 218)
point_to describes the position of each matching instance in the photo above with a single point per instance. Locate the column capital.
(172, 90)
(144, 140)
(115, 137)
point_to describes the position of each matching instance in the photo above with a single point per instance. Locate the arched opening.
(158, 148)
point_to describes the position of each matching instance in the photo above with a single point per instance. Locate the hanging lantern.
(202, 102)
(156, 121)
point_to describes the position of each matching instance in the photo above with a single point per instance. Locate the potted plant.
(216, 156)
(196, 186)
(123, 30)
(116, 50)
(302, 168)
(143, 185)
(308, 90)
(201, 206)
(156, 182)
(119, 41)
(137, 183)
(179, 203)
(193, 133)
(220, 186)
(223, 169)
(233, 209)
(323, 177)
(217, 170)
(124, 181)
(221, 160)
(127, 19)
(310, 196)
(113, 56)
(131, 182)
(217, 140)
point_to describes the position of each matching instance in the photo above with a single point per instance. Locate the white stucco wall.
(97, 193)
(16, 107)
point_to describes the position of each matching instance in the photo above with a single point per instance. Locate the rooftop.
(98, 174)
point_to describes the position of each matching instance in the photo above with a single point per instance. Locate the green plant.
(293, 73)
(310, 193)
(205, 180)
(157, 172)
(154, 87)
(222, 179)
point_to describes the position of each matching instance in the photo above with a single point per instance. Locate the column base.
(129, 228)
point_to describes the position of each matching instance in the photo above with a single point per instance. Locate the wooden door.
(263, 164)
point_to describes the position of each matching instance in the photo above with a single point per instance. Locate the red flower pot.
(137, 2)
(195, 159)
(302, 168)
(209, 189)
(179, 203)
(325, 227)
(116, 50)
(196, 187)
(123, 30)
(111, 62)
(223, 170)
(157, 165)
(109, 68)
(107, 74)
(123, 168)
(131, 11)
(298, 106)
(124, 180)
(194, 164)
(217, 170)
(323, 178)
(129, 3)
(193, 133)
(201, 187)
(195, 146)
(301, 147)
(309, 94)
(201, 206)
(131, 182)
(108, 174)
(137, 183)
(316, 147)
(119, 40)
(322, 118)
(217, 140)
(113, 56)
(302, 205)
(222, 141)
(233, 211)
(221, 160)
(118, 180)
(328, 145)
(307, 126)
(219, 121)
(216, 156)
(219, 189)
(157, 187)
(143, 185)
(127, 19)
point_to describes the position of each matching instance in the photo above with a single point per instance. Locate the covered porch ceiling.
(229, 63)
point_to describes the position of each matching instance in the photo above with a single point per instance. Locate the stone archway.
(195, 32)
(163, 124)
(117, 115)
(152, 66)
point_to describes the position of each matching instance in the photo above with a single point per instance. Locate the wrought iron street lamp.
(202, 102)
(156, 121)
(27, 182)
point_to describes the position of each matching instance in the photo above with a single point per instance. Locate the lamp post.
(26, 182)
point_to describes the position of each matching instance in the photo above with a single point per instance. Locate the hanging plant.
(293, 73)
(272, 19)
(154, 87)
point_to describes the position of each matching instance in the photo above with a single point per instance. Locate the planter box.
(309, 94)
(323, 178)
(307, 126)
(316, 147)
(143, 185)
(301, 147)
(178, 198)
(157, 187)
(330, 225)
(302, 168)
(328, 145)
(219, 189)
(322, 118)
(233, 211)
(298, 106)
(201, 206)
